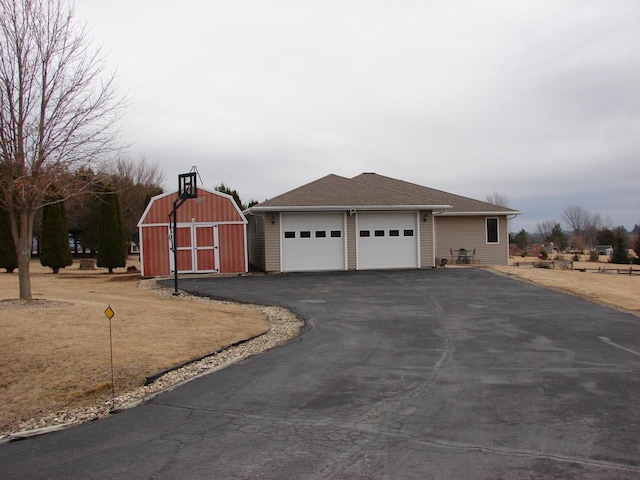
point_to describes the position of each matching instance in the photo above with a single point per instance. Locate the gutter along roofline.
(348, 208)
(481, 213)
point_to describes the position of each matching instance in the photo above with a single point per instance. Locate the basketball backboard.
(187, 185)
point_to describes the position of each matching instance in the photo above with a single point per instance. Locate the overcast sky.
(537, 100)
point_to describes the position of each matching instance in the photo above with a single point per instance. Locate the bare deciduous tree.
(499, 199)
(576, 218)
(545, 229)
(58, 112)
(135, 181)
(583, 223)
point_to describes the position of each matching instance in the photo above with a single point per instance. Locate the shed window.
(305, 234)
(289, 234)
(321, 234)
(379, 233)
(492, 230)
(394, 233)
(408, 233)
(336, 234)
(365, 233)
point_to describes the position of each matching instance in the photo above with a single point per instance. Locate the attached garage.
(313, 242)
(387, 240)
(372, 222)
(210, 235)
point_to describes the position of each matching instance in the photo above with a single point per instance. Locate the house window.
(408, 233)
(305, 234)
(365, 233)
(492, 230)
(379, 233)
(289, 234)
(336, 234)
(394, 233)
(321, 234)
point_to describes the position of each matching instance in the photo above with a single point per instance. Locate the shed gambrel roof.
(372, 192)
(210, 206)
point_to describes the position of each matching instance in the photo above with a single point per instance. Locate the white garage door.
(387, 240)
(313, 242)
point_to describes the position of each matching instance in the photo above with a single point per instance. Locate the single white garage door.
(313, 242)
(387, 240)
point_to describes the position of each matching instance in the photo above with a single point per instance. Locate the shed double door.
(197, 248)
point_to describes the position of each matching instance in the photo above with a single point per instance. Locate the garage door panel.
(387, 240)
(313, 242)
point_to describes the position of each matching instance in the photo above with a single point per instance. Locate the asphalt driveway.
(432, 374)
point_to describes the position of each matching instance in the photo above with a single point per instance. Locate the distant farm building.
(210, 237)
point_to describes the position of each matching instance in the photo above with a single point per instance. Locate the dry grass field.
(606, 287)
(55, 350)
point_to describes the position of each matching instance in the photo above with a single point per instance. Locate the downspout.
(433, 240)
(508, 245)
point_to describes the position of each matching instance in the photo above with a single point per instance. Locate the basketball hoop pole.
(174, 229)
(187, 188)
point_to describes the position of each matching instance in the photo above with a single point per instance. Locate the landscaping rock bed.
(283, 326)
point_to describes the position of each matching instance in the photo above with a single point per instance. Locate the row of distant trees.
(102, 222)
(586, 231)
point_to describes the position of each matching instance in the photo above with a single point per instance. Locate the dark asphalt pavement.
(418, 374)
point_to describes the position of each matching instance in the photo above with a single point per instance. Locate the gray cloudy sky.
(538, 100)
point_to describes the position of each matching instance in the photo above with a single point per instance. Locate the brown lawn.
(606, 287)
(55, 351)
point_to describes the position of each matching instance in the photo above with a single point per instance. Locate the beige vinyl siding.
(426, 240)
(255, 241)
(351, 242)
(456, 232)
(272, 242)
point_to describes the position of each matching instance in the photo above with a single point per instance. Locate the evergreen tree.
(54, 239)
(605, 237)
(558, 237)
(521, 240)
(111, 247)
(236, 197)
(89, 223)
(620, 252)
(8, 257)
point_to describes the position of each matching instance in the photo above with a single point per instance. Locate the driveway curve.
(417, 374)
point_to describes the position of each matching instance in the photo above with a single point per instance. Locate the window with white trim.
(492, 230)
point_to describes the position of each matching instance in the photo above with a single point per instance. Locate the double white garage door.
(319, 241)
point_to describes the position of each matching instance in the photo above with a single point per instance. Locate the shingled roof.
(369, 191)
(459, 203)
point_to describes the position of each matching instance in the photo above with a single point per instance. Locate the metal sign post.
(187, 188)
(110, 314)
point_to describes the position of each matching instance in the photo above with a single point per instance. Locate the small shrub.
(593, 256)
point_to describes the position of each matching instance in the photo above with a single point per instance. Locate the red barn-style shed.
(210, 237)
